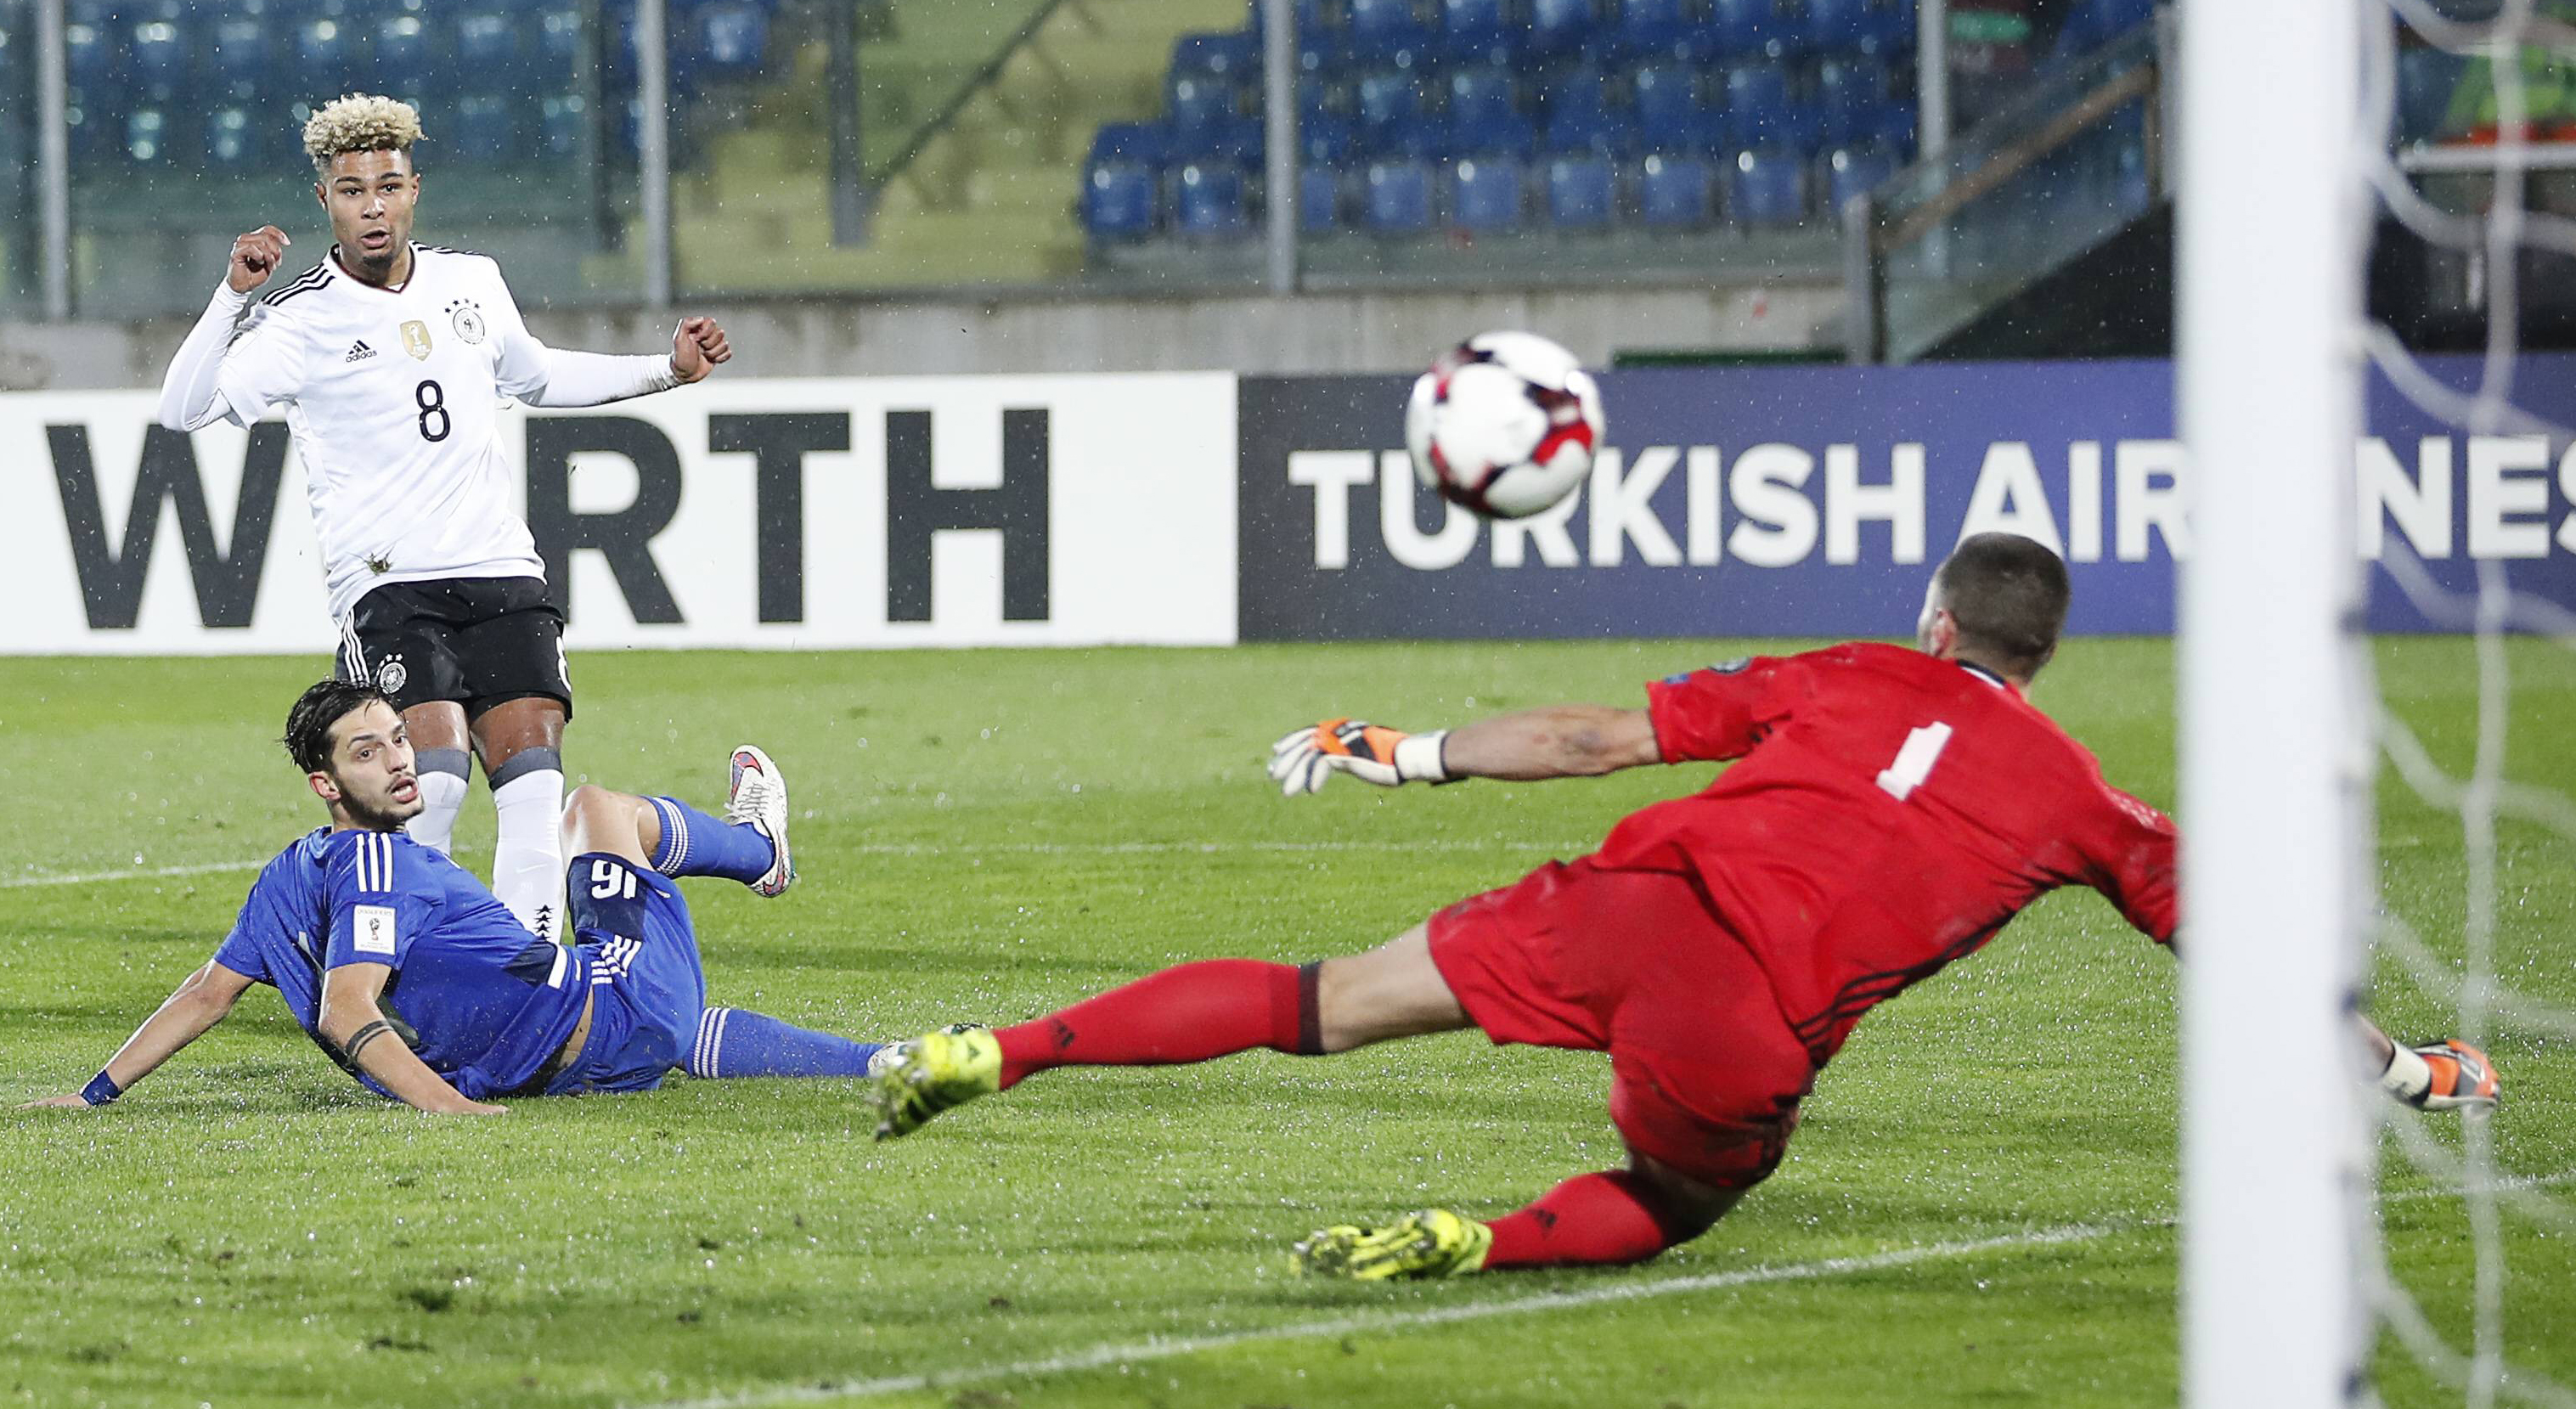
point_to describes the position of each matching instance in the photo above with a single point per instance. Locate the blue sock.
(695, 844)
(740, 1042)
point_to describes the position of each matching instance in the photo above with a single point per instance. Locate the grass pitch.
(1978, 1209)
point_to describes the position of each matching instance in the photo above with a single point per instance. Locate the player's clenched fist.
(697, 348)
(1300, 762)
(255, 257)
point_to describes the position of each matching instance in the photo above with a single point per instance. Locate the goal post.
(2274, 754)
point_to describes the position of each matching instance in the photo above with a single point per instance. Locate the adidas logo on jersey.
(359, 351)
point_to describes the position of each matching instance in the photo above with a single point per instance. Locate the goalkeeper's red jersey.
(1888, 814)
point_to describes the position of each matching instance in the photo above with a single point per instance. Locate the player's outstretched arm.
(353, 1021)
(2439, 1076)
(1561, 741)
(202, 1000)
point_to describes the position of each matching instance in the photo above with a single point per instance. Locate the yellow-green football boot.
(1431, 1243)
(933, 1072)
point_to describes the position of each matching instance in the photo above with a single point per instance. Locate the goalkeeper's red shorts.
(1705, 1074)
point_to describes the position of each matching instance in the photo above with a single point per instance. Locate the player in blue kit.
(409, 974)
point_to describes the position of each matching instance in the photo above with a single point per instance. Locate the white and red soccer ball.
(1505, 424)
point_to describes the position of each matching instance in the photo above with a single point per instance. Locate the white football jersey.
(393, 397)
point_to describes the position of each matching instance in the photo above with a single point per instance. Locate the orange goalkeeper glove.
(2445, 1076)
(1301, 761)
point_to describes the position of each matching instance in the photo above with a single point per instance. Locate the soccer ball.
(1504, 423)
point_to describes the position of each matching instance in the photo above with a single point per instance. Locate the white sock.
(442, 797)
(528, 860)
(2408, 1077)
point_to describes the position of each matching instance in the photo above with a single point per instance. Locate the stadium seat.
(1487, 193)
(401, 53)
(1645, 29)
(563, 126)
(1860, 26)
(1327, 139)
(486, 43)
(1397, 200)
(727, 41)
(1130, 141)
(1208, 201)
(1762, 108)
(147, 137)
(1423, 137)
(559, 40)
(1195, 100)
(89, 53)
(1767, 189)
(1853, 95)
(1755, 29)
(1578, 95)
(233, 140)
(1319, 199)
(1580, 192)
(484, 131)
(1592, 130)
(1480, 93)
(1674, 191)
(1387, 97)
(1666, 99)
(236, 56)
(1504, 133)
(1118, 200)
(1475, 31)
(1559, 27)
(157, 55)
(323, 45)
(1853, 171)
(2426, 79)
(1383, 30)
(1239, 139)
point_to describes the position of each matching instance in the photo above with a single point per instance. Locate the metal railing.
(1930, 248)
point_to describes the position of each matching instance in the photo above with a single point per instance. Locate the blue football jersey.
(482, 1001)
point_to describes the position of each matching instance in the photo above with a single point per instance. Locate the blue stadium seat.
(1397, 200)
(1756, 29)
(559, 39)
(1762, 108)
(237, 50)
(1657, 28)
(1479, 93)
(1327, 139)
(1767, 189)
(2426, 79)
(158, 61)
(1853, 171)
(1423, 138)
(2093, 23)
(323, 44)
(1860, 26)
(1505, 133)
(1853, 95)
(1559, 27)
(1208, 201)
(1674, 191)
(1581, 192)
(1576, 94)
(1487, 193)
(1386, 97)
(563, 125)
(1239, 139)
(485, 131)
(1194, 100)
(147, 137)
(1381, 30)
(1119, 200)
(486, 43)
(401, 53)
(233, 141)
(1475, 31)
(1130, 141)
(89, 53)
(1319, 199)
(1593, 130)
(1666, 98)
(727, 41)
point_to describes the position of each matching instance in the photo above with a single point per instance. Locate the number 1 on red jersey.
(1914, 761)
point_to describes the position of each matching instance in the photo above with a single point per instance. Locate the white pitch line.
(1125, 848)
(1103, 1356)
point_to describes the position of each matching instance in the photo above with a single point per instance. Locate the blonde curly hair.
(360, 122)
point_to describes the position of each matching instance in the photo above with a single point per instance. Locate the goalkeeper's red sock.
(1591, 1218)
(1185, 1014)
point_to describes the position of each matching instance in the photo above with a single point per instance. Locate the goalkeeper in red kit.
(1890, 810)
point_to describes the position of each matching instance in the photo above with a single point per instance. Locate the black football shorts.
(479, 641)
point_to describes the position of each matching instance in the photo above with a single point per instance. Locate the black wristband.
(101, 1089)
(360, 1038)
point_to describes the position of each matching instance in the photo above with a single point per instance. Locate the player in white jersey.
(390, 361)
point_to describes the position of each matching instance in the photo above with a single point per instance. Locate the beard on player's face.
(372, 774)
